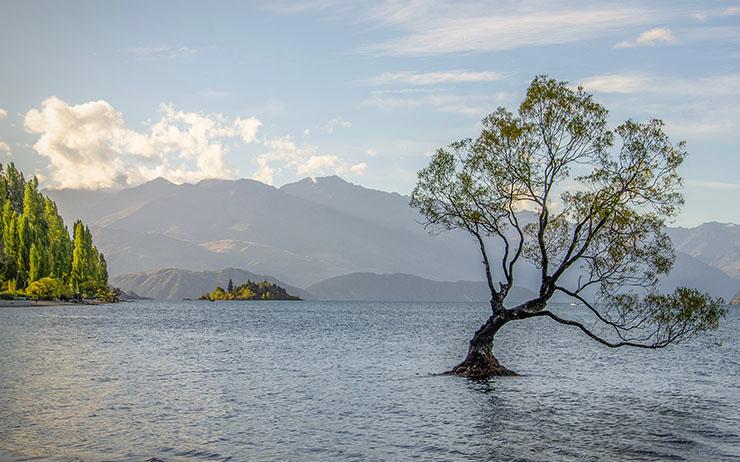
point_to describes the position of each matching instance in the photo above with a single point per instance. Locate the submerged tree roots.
(480, 366)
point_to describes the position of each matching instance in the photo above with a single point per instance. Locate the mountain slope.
(716, 244)
(178, 284)
(316, 229)
(249, 224)
(405, 287)
(691, 272)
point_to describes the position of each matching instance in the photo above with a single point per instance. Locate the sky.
(110, 94)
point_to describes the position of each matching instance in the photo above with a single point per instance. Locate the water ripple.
(191, 381)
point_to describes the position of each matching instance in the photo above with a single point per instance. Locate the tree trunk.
(480, 363)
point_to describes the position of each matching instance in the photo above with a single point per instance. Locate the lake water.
(190, 381)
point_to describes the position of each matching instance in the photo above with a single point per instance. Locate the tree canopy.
(249, 291)
(553, 185)
(36, 246)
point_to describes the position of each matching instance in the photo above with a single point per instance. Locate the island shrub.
(250, 291)
(47, 288)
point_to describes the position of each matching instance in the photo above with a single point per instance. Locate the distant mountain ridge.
(178, 284)
(320, 228)
(406, 287)
(716, 244)
(247, 224)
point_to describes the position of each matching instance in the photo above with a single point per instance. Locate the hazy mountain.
(405, 287)
(94, 206)
(177, 284)
(251, 225)
(131, 251)
(716, 244)
(691, 272)
(388, 209)
(316, 229)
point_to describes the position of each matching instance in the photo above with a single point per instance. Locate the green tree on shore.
(35, 245)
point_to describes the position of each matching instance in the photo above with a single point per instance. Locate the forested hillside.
(38, 257)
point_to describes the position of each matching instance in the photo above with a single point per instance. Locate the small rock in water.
(154, 459)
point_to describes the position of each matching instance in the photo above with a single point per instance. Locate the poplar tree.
(35, 244)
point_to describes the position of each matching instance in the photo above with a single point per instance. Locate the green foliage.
(36, 245)
(600, 200)
(250, 291)
(35, 267)
(45, 289)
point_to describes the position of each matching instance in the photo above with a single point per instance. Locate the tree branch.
(568, 322)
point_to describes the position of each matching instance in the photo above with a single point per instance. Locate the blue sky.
(101, 94)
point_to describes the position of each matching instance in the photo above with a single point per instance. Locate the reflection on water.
(339, 381)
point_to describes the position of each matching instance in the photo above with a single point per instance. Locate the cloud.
(449, 27)
(248, 128)
(89, 145)
(651, 38)
(356, 169)
(4, 147)
(284, 154)
(160, 53)
(335, 123)
(713, 85)
(615, 83)
(317, 165)
(371, 152)
(475, 105)
(293, 7)
(705, 106)
(718, 185)
(436, 78)
(3, 113)
(711, 13)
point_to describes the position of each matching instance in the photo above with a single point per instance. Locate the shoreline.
(32, 303)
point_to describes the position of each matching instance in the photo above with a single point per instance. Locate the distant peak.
(333, 179)
(158, 181)
(157, 184)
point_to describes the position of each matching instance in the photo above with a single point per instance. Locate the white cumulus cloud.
(3, 113)
(89, 145)
(285, 155)
(248, 128)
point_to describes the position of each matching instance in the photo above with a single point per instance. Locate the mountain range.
(179, 284)
(318, 229)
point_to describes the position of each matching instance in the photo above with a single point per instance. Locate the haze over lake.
(188, 381)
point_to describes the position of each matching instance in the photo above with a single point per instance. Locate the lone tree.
(597, 202)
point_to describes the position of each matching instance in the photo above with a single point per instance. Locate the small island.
(249, 291)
